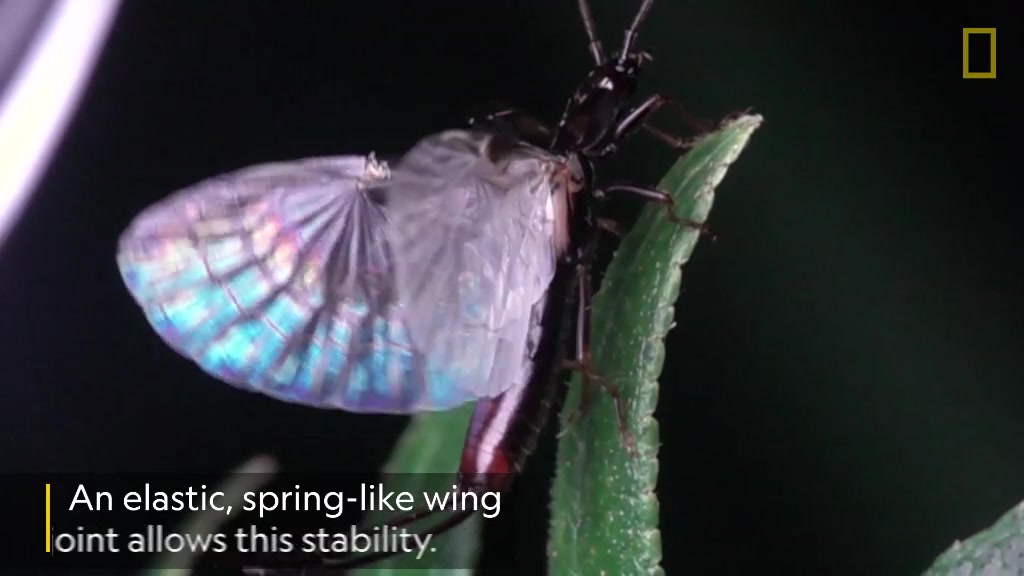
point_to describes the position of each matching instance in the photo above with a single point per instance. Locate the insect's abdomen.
(504, 430)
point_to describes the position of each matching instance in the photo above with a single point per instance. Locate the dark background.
(842, 393)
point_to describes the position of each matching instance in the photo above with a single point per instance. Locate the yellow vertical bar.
(992, 49)
(47, 518)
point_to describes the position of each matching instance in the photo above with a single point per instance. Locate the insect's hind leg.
(582, 364)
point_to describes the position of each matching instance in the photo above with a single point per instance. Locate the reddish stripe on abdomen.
(490, 454)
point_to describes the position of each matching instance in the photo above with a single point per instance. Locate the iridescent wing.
(282, 278)
(277, 278)
(473, 221)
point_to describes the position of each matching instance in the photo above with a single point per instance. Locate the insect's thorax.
(594, 110)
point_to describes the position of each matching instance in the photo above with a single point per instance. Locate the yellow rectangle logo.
(991, 33)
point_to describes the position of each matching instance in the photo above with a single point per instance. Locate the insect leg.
(638, 118)
(658, 196)
(582, 359)
(582, 364)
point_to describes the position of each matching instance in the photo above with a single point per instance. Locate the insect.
(348, 283)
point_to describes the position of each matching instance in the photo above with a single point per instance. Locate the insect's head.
(614, 80)
(602, 100)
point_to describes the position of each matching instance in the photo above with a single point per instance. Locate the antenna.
(588, 24)
(627, 42)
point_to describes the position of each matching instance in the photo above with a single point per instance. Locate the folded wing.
(471, 221)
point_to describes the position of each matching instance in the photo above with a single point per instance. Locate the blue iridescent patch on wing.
(277, 279)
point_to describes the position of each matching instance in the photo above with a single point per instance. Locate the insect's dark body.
(504, 430)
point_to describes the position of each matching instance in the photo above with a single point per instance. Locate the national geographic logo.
(979, 53)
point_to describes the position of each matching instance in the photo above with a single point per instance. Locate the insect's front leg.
(640, 117)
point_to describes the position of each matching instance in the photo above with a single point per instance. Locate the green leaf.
(604, 509)
(248, 477)
(426, 458)
(996, 551)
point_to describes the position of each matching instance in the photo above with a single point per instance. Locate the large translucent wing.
(278, 279)
(473, 225)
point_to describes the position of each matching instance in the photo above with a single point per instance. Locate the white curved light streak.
(43, 93)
